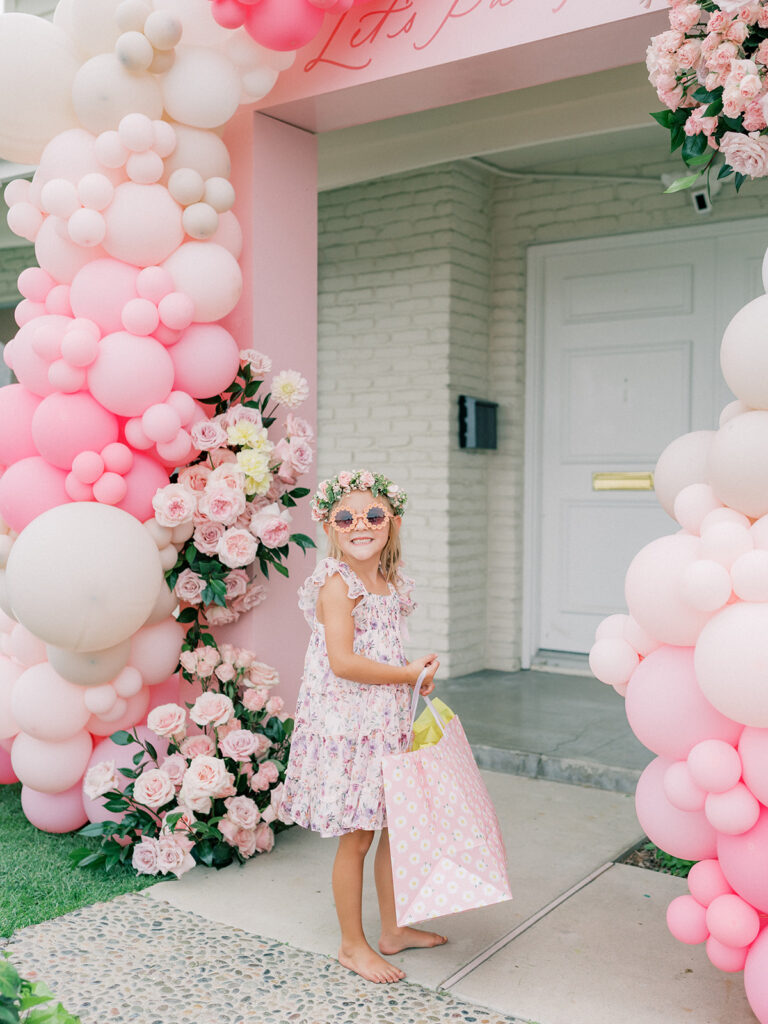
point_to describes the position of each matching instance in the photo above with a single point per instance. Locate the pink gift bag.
(447, 850)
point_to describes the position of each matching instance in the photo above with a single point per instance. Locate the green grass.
(37, 881)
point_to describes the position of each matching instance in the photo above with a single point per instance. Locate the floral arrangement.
(214, 796)
(236, 498)
(21, 1001)
(710, 70)
(331, 491)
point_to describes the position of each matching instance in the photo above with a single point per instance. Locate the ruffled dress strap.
(309, 590)
(404, 586)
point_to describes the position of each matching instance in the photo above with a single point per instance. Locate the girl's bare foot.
(409, 938)
(368, 964)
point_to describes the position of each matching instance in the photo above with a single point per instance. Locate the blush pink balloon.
(100, 291)
(206, 359)
(143, 479)
(155, 650)
(743, 859)
(725, 958)
(131, 373)
(732, 812)
(50, 767)
(135, 711)
(714, 765)
(54, 812)
(753, 750)
(107, 750)
(732, 921)
(730, 654)
(687, 920)
(680, 789)
(756, 976)
(144, 224)
(654, 590)
(707, 881)
(9, 673)
(17, 407)
(66, 425)
(41, 335)
(283, 24)
(7, 774)
(46, 706)
(613, 660)
(685, 834)
(58, 254)
(666, 708)
(164, 693)
(208, 273)
(24, 647)
(29, 488)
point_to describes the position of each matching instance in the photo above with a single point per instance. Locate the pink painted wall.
(274, 171)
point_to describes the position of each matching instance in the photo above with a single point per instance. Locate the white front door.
(623, 358)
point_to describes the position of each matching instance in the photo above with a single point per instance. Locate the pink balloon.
(733, 812)
(161, 423)
(164, 693)
(136, 710)
(66, 425)
(707, 881)
(70, 155)
(24, 647)
(732, 921)
(7, 774)
(110, 489)
(46, 706)
(41, 335)
(730, 653)
(756, 976)
(143, 224)
(666, 708)
(283, 24)
(714, 765)
(743, 859)
(101, 290)
(17, 407)
(50, 767)
(54, 812)
(680, 789)
(206, 359)
(155, 650)
(118, 458)
(131, 373)
(9, 673)
(753, 749)
(140, 316)
(58, 254)
(88, 467)
(35, 284)
(143, 479)
(106, 750)
(29, 488)
(725, 958)
(686, 919)
(685, 834)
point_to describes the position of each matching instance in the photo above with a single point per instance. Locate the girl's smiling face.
(363, 543)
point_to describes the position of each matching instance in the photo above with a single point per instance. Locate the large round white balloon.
(199, 27)
(37, 68)
(744, 354)
(84, 576)
(202, 88)
(730, 660)
(199, 150)
(90, 24)
(90, 668)
(210, 275)
(738, 463)
(104, 92)
(682, 463)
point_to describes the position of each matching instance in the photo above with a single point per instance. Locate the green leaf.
(9, 980)
(122, 738)
(98, 828)
(130, 773)
(714, 108)
(279, 567)
(739, 180)
(695, 146)
(724, 171)
(682, 183)
(9, 1015)
(733, 124)
(287, 500)
(663, 117)
(252, 388)
(302, 540)
(703, 95)
(299, 492)
(187, 615)
(138, 758)
(151, 751)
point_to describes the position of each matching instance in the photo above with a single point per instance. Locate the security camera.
(702, 202)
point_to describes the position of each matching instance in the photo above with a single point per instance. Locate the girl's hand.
(431, 663)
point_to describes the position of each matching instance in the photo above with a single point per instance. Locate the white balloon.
(84, 576)
(165, 605)
(732, 409)
(210, 275)
(200, 221)
(682, 462)
(134, 51)
(104, 92)
(750, 576)
(744, 354)
(89, 23)
(202, 88)
(200, 150)
(90, 668)
(37, 69)
(198, 25)
(730, 656)
(738, 463)
(163, 30)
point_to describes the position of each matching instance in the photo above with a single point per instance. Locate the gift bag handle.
(427, 701)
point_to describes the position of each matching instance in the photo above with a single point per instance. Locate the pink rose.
(275, 705)
(222, 504)
(746, 154)
(255, 593)
(222, 456)
(345, 478)
(207, 435)
(173, 857)
(212, 708)
(229, 830)
(153, 789)
(264, 838)
(239, 745)
(168, 720)
(245, 841)
(231, 726)
(216, 615)
(236, 583)
(270, 772)
(207, 660)
(225, 672)
(242, 811)
(258, 362)
(262, 779)
(754, 116)
(183, 826)
(189, 587)
(188, 661)
(100, 779)
(198, 746)
(195, 477)
(208, 776)
(300, 456)
(174, 505)
(295, 426)
(273, 532)
(255, 700)
(236, 548)
(260, 674)
(174, 767)
(145, 857)
(243, 658)
(367, 480)
(207, 536)
(242, 412)
(689, 54)
(227, 475)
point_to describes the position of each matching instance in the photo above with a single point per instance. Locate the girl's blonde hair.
(391, 555)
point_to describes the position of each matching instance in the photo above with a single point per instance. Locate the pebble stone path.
(136, 960)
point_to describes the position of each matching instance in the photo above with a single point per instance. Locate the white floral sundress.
(343, 729)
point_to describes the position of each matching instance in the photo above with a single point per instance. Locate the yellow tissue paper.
(425, 729)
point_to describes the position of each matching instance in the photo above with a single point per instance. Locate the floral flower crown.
(331, 491)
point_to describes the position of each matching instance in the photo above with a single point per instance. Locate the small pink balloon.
(26, 311)
(34, 284)
(732, 921)
(750, 576)
(186, 407)
(118, 458)
(613, 660)
(17, 408)
(136, 133)
(95, 191)
(144, 168)
(66, 378)
(24, 647)
(7, 774)
(110, 489)
(734, 812)
(128, 682)
(135, 710)
(88, 467)
(161, 422)
(743, 859)
(143, 224)
(725, 958)
(58, 254)
(135, 436)
(726, 542)
(707, 881)
(100, 291)
(143, 479)
(66, 425)
(154, 283)
(686, 919)
(87, 228)
(54, 812)
(57, 302)
(50, 767)
(28, 488)
(100, 699)
(155, 650)
(283, 24)
(684, 834)
(47, 335)
(76, 489)
(705, 585)
(714, 765)
(178, 451)
(59, 197)
(110, 150)
(130, 374)
(140, 316)
(166, 336)
(681, 790)
(176, 311)
(692, 504)
(46, 706)
(78, 348)
(25, 220)
(206, 360)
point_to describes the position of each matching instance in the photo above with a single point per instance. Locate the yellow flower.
(258, 486)
(253, 463)
(244, 433)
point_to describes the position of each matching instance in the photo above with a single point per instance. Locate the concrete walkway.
(583, 942)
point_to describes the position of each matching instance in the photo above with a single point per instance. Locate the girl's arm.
(334, 611)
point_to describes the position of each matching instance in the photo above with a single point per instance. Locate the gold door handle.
(626, 481)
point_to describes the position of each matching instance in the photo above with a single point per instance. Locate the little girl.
(354, 704)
